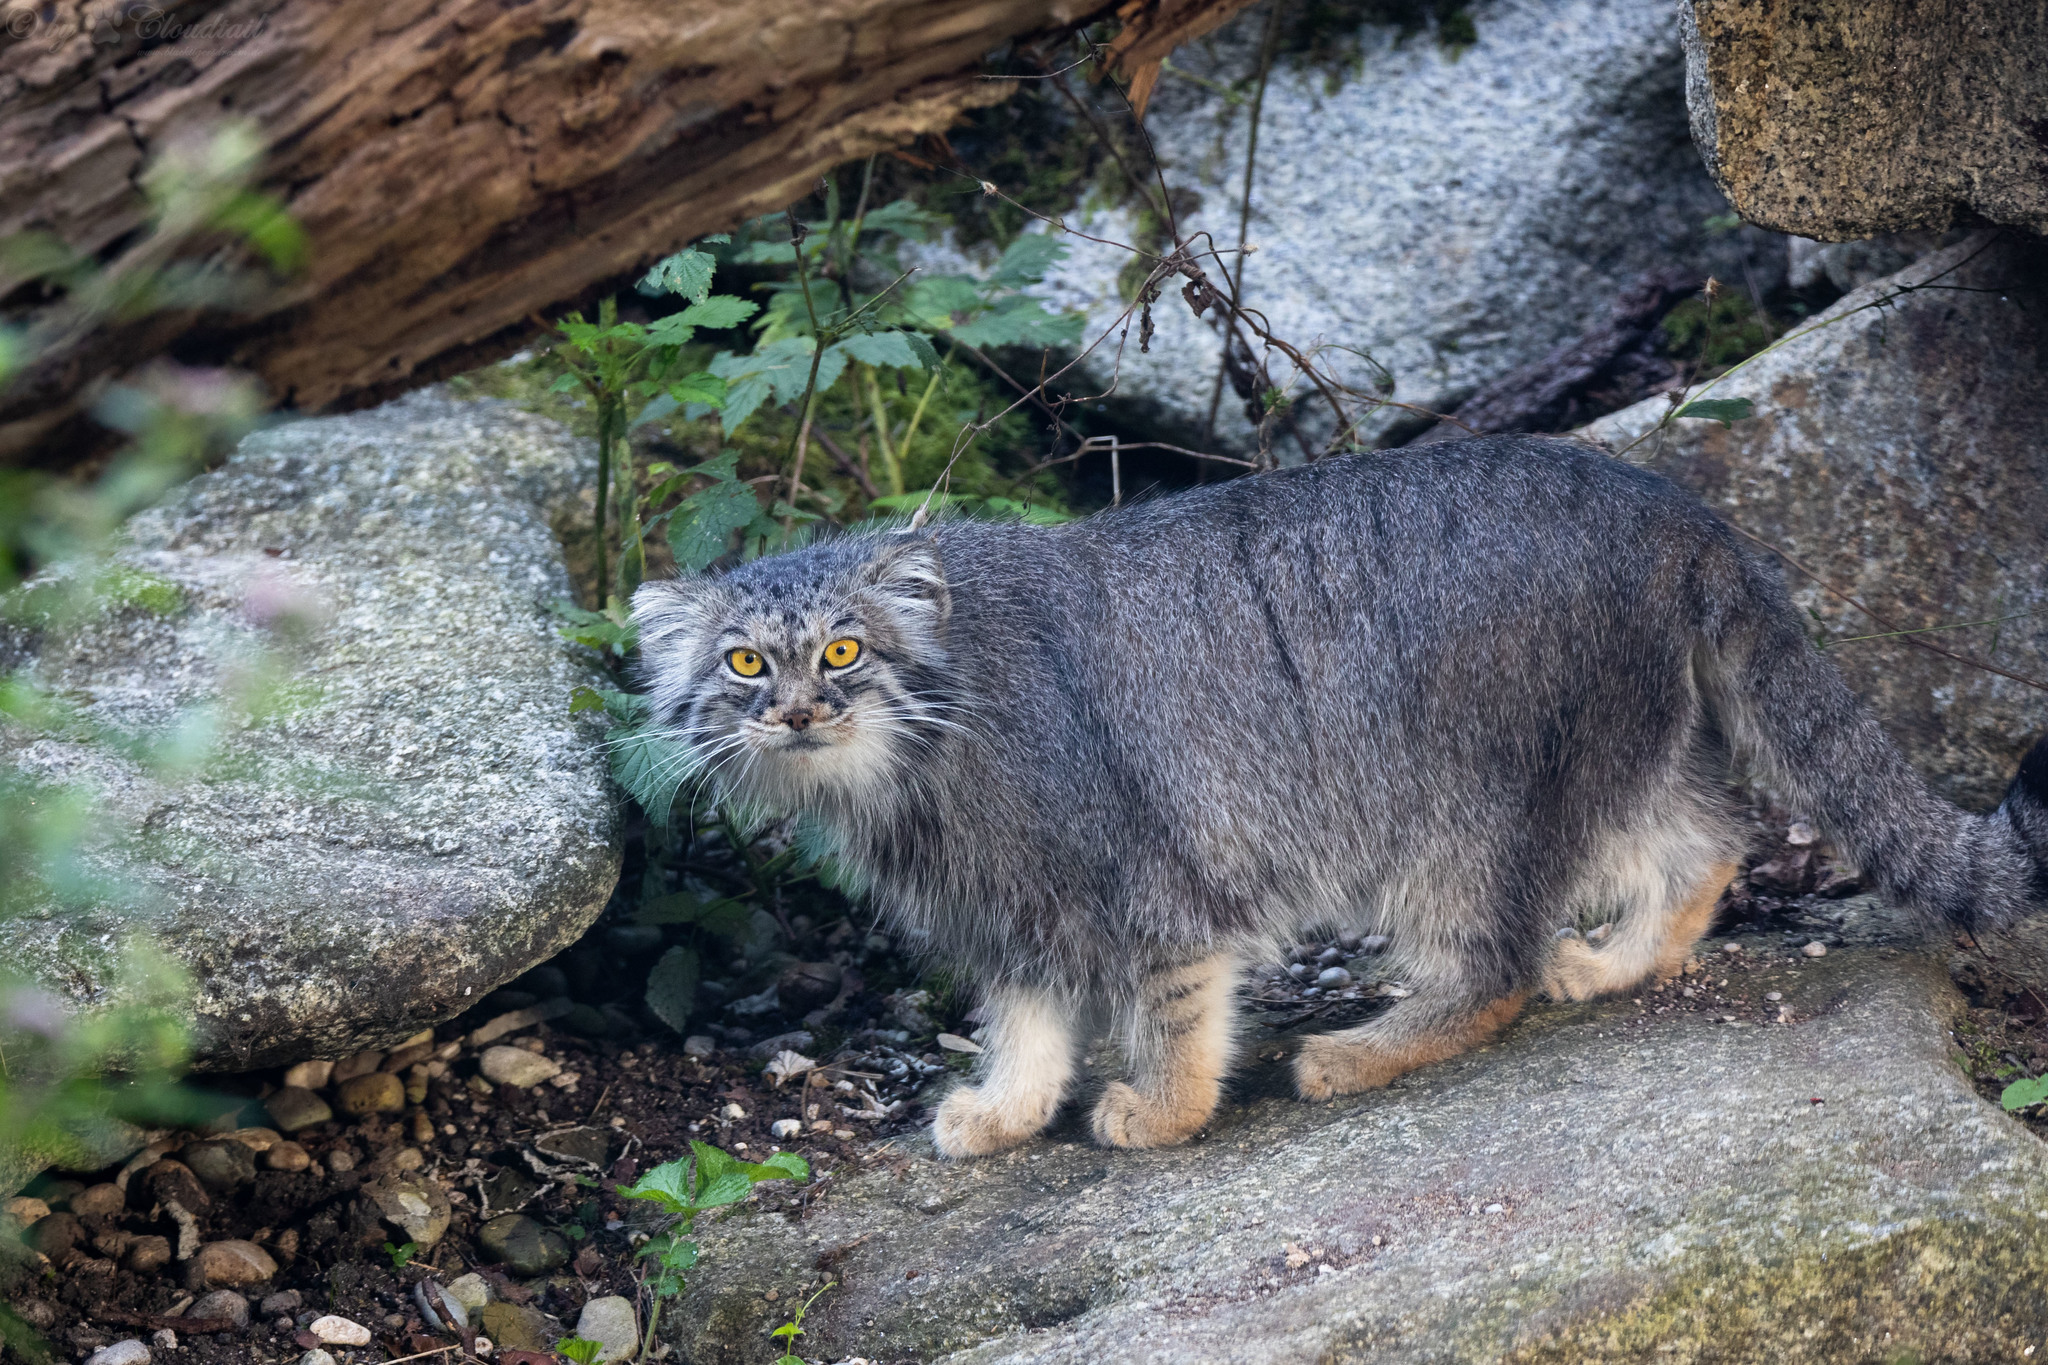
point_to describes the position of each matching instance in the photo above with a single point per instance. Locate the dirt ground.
(626, 1093)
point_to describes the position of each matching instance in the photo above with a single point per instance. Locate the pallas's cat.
(1457, 695)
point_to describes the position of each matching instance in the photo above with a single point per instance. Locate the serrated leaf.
(936, 300)
(659, 407)
(903, 218)
(1027, 260)
(585, 699)
(701, 387)
(650, 767)
(667, 1185)
(787, 1166)
(743, 396)
(672, 330)
(701, 529)
(728, 1187)
(712, 1162)
(923, 349)
(1726, 411)
(719, 311)
(687, 273)
(672, 987)
(883, 348)
(1020, 322)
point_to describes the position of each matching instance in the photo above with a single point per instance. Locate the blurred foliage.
(1716, 335)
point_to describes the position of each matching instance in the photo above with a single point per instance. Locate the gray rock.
(522, 1245)
(1663, 1181)
(1872, 118)
(221, 1164)
(614, 1325)
(422, 818)
(230, 1263)
(1898, 454)
(285, 1301)
(1455, 215)
(699, 1045)
(222, 1304)
(417, 1208)
(316, 1356)
(1330, 978)
(799, 1040)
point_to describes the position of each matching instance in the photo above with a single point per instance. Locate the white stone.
(120, 1353)
(339, 1331)
(472, 1291)
(612, 1323)
(1815, 949)
(786, 1128)
(309, 1075)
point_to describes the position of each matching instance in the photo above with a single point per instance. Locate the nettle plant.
(706, 1179)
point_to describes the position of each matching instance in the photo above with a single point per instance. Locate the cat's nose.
(798, 720)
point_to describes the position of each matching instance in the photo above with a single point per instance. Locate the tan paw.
(970, 1123)
(1575, 971)
(1325, 1067)
(1125, 1118)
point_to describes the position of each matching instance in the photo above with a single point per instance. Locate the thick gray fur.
(1455, 694)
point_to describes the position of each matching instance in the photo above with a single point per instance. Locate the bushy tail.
(1791, 715)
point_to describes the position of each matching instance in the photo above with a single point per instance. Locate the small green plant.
(2024, 1094)
(706, 1179)
(794, 1328)
(401, 1254)
(579, 1349)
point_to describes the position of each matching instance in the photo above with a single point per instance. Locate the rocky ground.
(331, 1205)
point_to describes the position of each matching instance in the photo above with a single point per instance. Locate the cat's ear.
(906, 567)
(670, 612)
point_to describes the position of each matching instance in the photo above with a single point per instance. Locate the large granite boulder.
(1842, 119)
(416, 818)
(1815, 1181)
(1455, 212)
(1897, 452)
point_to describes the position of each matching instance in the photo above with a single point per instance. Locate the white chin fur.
(840, 758)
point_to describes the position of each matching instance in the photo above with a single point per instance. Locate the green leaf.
(1027, 260)
(904, 219)
(266, 224)
(585, 699)
(885, 348)
(688, 273)
(1726, 411)
(564, 383)
(788, 1329)
(579, 1349)
(1020, 321)
(729, 1188)
(701, 387)
(784, 1166)
(717, 914)
(701, 529)
(672, 987)
(938, 299)
(2024, 1094)
(650, 767)
(922, 348)
(667, 1185)
(712, 1162)
(719, 311)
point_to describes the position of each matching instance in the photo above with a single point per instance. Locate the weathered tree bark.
(463, 166)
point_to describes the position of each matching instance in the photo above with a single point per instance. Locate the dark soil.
(557, 1152)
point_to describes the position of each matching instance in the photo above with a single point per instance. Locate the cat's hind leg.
(1026, 1068)
(1178, 1035)
(1414, 1033)
(1654, 938)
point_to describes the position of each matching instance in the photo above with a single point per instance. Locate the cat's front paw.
(969, 1123)
(1575, 972)
(1125, 1118)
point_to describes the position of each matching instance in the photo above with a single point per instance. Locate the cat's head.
(807, 676)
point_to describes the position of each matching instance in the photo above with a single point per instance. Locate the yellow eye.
(840, 653)
(746, 663)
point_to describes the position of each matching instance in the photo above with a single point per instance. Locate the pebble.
(1815, 949)
(378, 1092)
(294, 1108)
(148, 1254)
(733, 1111)
(1374, 943)
(612, 1323)
(341, 1160)
(1330, 978)
(362, 1064)
(101, 1200)
(1731, 947)
(515, 1020)
(522, 1245)
(55, 1234)
(515, 1066)
(1350, 941)
(786, 1128)
(334, 1330)
(418, 1208)
(222, 1303)
(316, 1356)
(285, 1301)
(287, 1156)
(120, 1353)
(258, 1140)
(164, 1339)
(309, 1075)
(1329, 957)
(1774, 995)
(1300, 971)
(472, 1291)
(221, 1164)
(220, 1264)
(25, 1209)
(699, 1045)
